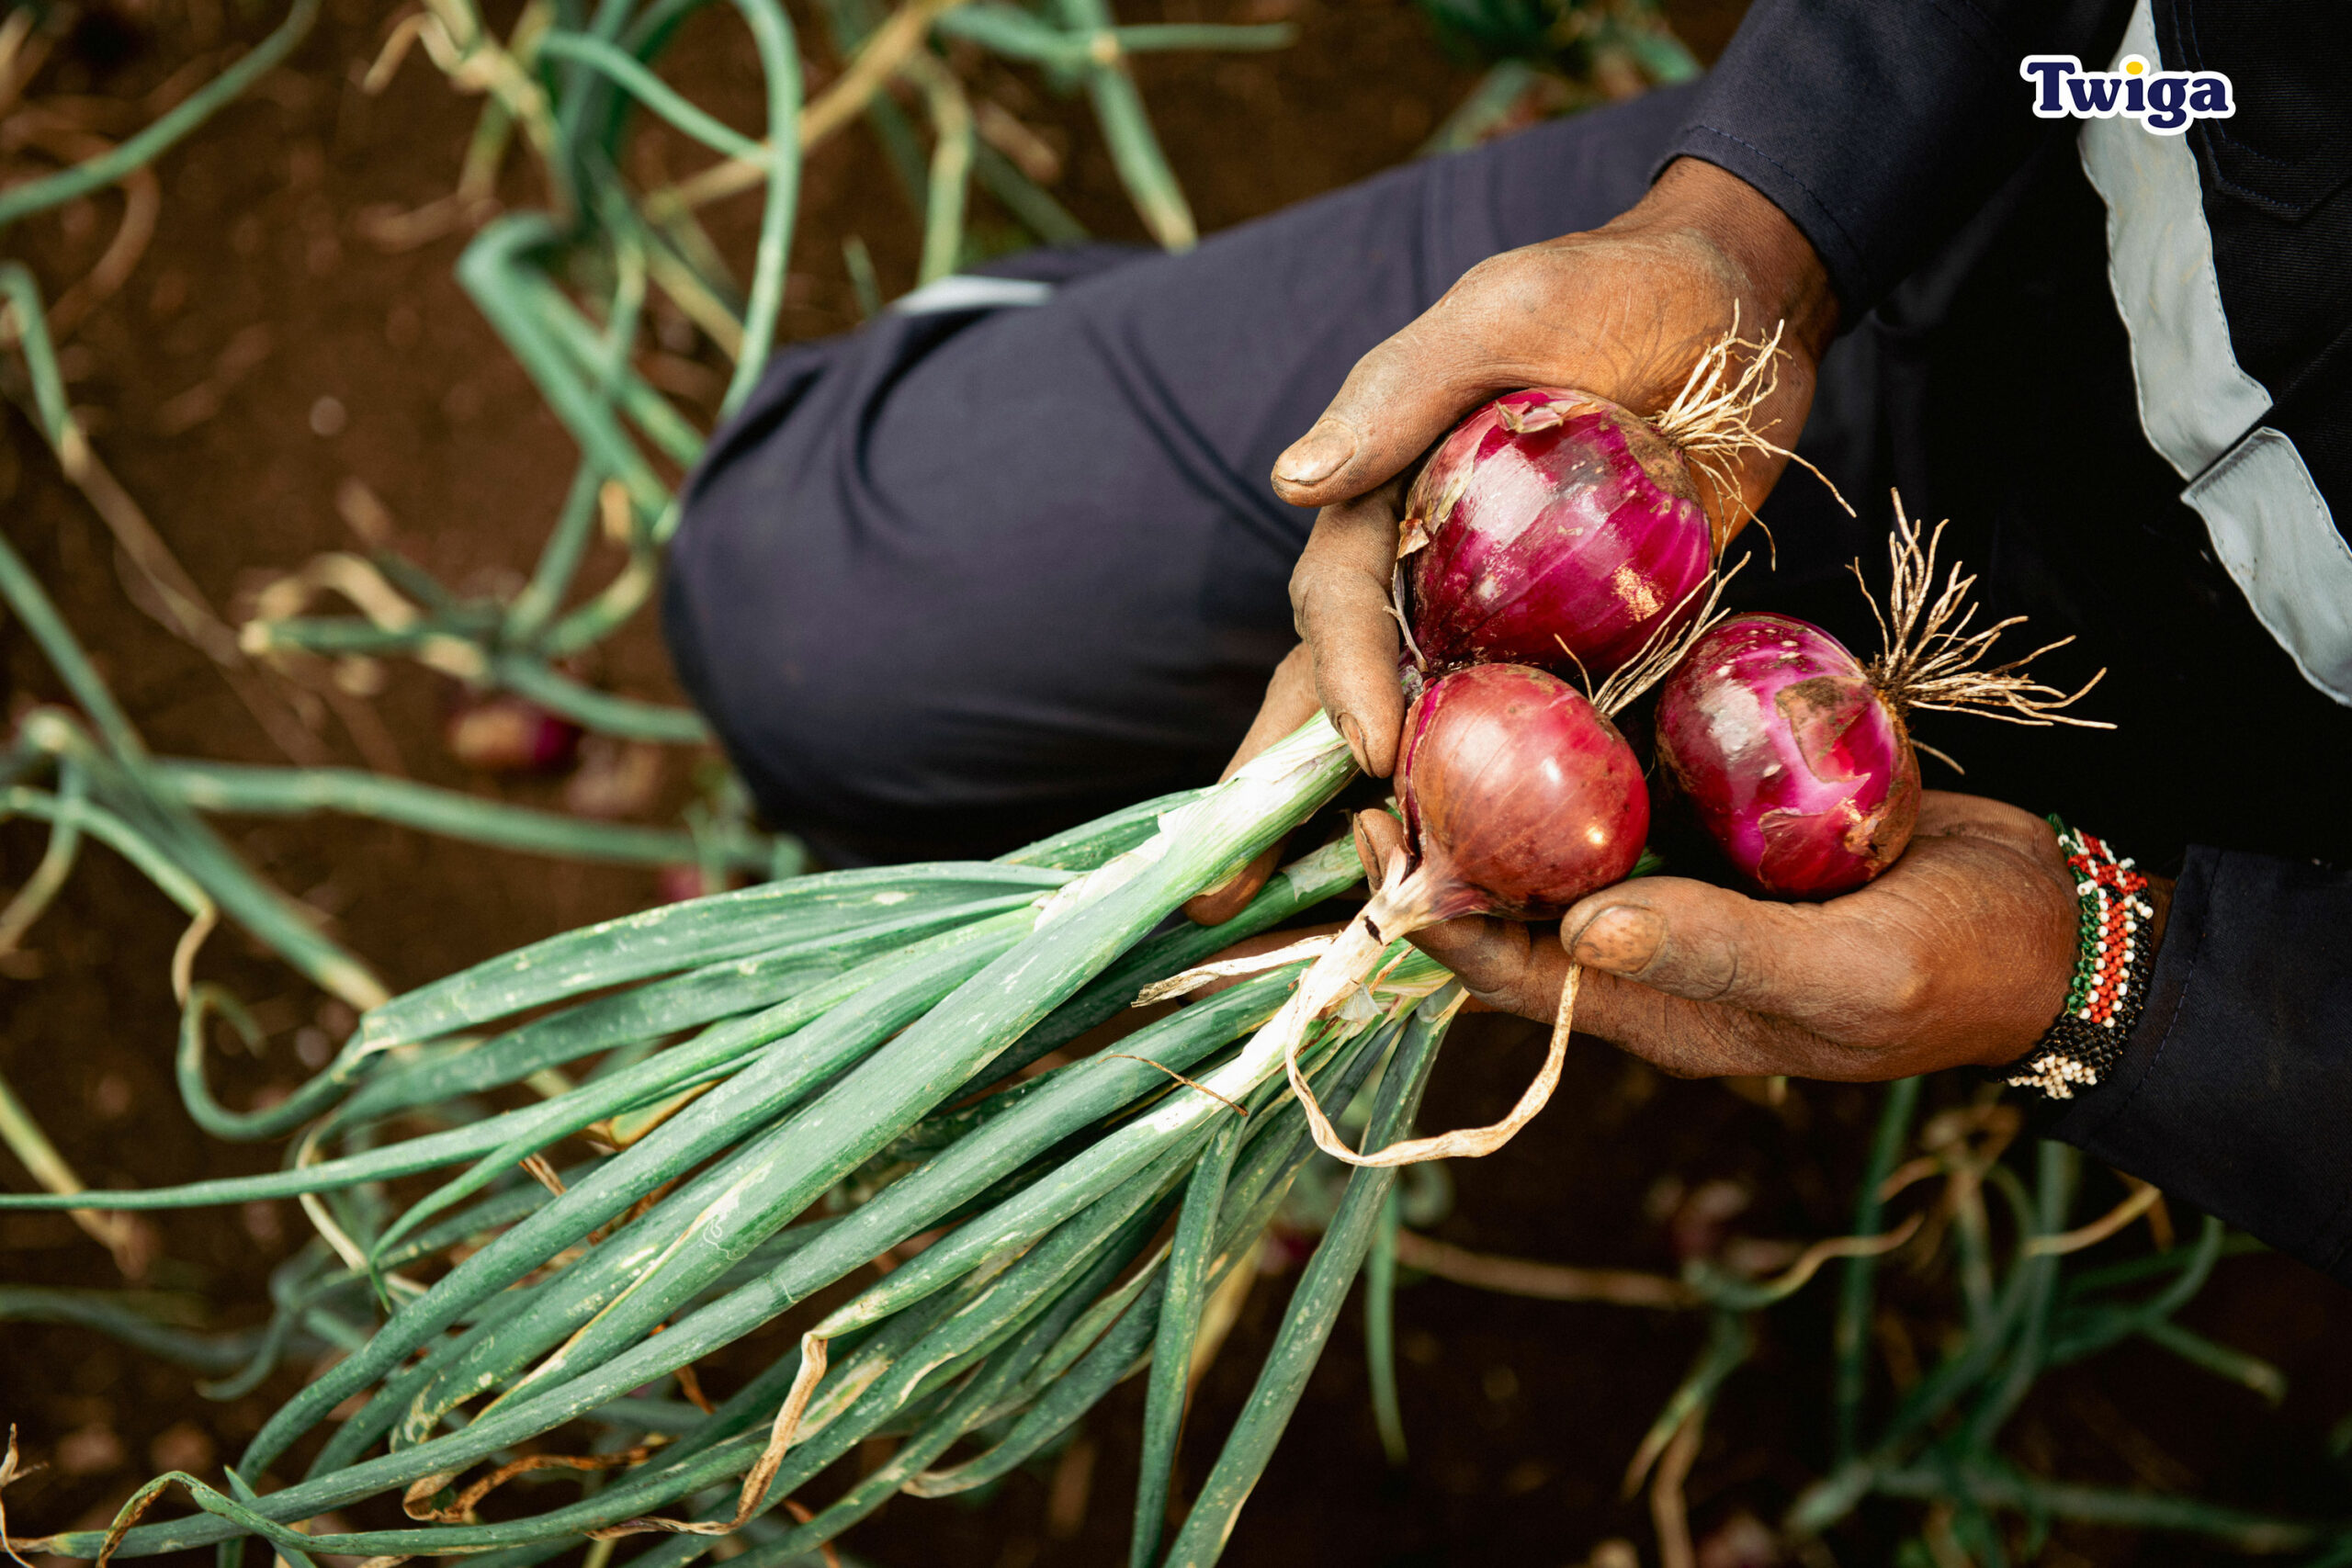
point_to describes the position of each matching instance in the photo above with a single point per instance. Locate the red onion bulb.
(1798, 765)
(1520, 797)
(1560, 527)
(502, 733)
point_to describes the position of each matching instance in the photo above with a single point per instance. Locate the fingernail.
(1621, 939)
(1318, 455)
(1353, 734)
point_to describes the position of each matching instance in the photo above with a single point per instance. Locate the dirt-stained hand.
(1624, 312)
(1959, 954)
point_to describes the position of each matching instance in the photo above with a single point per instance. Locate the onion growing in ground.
(1797, 757)
(1558, 529)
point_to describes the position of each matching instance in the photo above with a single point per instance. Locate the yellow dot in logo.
(2133, 66)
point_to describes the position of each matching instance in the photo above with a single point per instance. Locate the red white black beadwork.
(2110, 981)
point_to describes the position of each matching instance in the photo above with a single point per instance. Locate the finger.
(1693, 1039)
(1800, 962)
(1497, 963)
(1502, 964)
(1507, 967)
(1341, 601)
(1232, 895)
(1380, 845)
(1395, 402)
(1958, 955)
(1620, 315)
(1948, 814)
(1290, 702)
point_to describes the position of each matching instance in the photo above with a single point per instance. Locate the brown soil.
(260, 285)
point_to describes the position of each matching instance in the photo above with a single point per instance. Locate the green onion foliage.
(803, 1060)
(566, 289)
(1552, 55)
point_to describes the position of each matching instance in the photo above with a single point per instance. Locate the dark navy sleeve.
(2235, 1092)
(1878, 127)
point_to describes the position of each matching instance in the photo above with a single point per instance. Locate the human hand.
(1959, 954)
(1624, 311)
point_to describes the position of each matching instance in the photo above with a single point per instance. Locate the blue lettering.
(2094, 96)
(2052, 69)
(2164, 102)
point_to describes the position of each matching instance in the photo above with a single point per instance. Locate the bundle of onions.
(1797, 758)
(785, 1083)
(1552, 528)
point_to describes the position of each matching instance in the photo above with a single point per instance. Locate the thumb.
(1707, 943)
(1395, 404)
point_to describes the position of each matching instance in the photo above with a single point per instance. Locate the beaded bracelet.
(2110, 981)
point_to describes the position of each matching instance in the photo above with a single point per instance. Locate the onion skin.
(506, 734)
(1580, 527)
(1797, 765)
(1519, 796)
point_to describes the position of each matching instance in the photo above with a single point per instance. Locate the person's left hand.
(1959, 954)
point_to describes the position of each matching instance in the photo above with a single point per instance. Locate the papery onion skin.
(1795, 763)
(1519, 796)
(1583, 526)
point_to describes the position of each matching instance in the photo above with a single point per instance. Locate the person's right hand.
(1624, 311)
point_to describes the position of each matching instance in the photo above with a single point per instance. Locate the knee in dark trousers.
(960, 579)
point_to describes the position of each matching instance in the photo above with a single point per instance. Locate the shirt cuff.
(2234, 1089)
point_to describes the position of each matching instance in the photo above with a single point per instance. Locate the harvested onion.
(1795, 761)
(1520, 797)
(1797, 758)
(1497, 761)
(1554, 521)
(1556, 528)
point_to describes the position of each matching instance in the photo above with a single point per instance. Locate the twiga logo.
(2166, 102)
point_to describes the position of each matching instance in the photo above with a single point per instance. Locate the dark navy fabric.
(2277, 189)
(953, 581)
(1881, 127)
(2234, 1093)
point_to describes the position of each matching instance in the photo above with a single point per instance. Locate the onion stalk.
(829, 1025)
